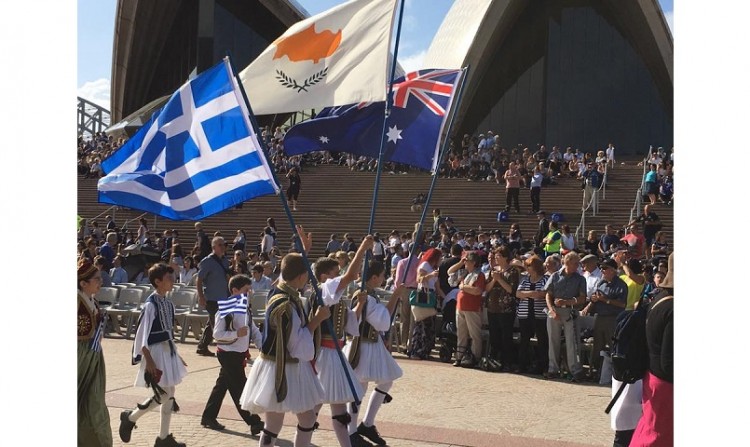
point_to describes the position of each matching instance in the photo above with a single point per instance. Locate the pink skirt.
(656, 427)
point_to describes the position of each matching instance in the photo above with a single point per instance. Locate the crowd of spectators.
(94, 150)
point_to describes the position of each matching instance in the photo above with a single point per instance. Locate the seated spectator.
(590, 246)
(100, 264)
(568, 240)
(117, 273)
(188, 271)
(260, 282)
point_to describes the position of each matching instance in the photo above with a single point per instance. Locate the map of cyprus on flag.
(339, 56)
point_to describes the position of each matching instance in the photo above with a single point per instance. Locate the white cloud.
(669, 15)
(413, 62)
(96, 92)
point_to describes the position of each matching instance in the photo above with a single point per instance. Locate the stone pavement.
(434, 404)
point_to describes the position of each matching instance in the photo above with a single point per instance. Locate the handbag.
(423, 298)
(423, 313)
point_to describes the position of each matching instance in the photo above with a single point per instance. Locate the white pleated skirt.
(376, 364)
(303, 388)
(332, 378)
(170, 365)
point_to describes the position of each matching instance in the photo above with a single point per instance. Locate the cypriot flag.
(337, 57)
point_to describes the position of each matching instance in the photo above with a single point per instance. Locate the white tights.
(376, 400)
(274, 422)
(167, 400)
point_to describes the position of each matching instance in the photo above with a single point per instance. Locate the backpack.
(629, 349)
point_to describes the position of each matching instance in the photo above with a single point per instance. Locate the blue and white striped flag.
(233, 304)
(195, 157)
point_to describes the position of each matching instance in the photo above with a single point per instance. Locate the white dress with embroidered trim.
(330, 372)
(376, 364)
(303, 387)
(170, 365)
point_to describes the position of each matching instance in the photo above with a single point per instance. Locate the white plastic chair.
(127, 307)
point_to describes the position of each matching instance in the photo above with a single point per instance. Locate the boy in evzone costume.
(344, 320)
(163, 368)
(282, 379)
(368, 355)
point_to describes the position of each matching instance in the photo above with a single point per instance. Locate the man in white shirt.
(260, 282)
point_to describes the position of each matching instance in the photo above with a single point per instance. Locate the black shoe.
(370, 433)
(212, 424)
(256, 425)
(205, 352)
(169, 441)
(358, 441)
(126, 426)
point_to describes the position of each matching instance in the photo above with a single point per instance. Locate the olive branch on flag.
(290, 82)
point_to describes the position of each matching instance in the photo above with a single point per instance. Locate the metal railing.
(114, 209)
(592, 204)
(639, 194)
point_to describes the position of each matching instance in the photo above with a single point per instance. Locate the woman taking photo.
(502, 283)
(531, 317)
(93, 416)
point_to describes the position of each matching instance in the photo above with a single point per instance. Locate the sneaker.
(126, 426)
(457, 362)
(358, 441)
(169, 441)
(370, 433)
(205, 352)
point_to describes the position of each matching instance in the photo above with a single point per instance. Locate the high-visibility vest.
(554, 246)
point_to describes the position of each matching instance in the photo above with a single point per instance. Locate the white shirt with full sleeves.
(376, 364)
(304, 391)
(228, 339)
(330, 371)
(170, 364)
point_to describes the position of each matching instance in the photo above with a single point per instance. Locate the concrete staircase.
(337, 200)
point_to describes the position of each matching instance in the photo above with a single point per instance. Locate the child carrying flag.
(233, 330)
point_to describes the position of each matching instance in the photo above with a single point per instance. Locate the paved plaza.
(434, 404)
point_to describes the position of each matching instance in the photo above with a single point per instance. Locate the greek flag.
(233, 304)
(195, 157)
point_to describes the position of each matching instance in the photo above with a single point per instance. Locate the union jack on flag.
(420, 86)
(421, 102)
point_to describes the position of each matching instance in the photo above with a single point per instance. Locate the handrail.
(639, 194)
(125, 225)
(115, 207)
(581, 229)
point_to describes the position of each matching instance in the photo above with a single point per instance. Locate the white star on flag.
(394, 134)
(323, 139)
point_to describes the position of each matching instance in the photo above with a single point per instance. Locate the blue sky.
(96, 20)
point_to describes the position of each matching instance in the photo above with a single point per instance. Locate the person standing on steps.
(512, 187)
(295, 182)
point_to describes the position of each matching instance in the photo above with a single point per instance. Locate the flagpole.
(443, 152)
(387, 112)
(297, 241)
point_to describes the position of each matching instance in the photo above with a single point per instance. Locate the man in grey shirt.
(212, 285)
(565, 289)
(607, 301)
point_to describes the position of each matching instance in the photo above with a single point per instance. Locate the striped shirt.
(539, 304)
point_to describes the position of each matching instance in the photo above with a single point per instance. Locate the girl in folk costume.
(331, 374)
(163, 368)
(282, 380)
(368, 355)
(93, 418)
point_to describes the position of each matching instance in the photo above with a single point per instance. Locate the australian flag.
(421, 102)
